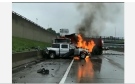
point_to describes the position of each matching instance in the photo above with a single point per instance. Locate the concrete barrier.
(25, 57)
(25, 28)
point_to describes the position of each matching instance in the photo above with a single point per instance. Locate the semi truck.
(73, 39)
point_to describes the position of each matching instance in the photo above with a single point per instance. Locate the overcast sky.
(63, 15)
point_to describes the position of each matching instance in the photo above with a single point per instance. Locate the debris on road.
(22, 77)
(43, 71)
(52, 75)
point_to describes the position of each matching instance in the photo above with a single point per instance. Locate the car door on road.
(64, 48)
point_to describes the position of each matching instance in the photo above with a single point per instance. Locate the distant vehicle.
(105, 48)
(65, 50)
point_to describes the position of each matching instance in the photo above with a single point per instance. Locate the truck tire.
(52, 55)
(97, 51)
(100, 52)
(82, 55)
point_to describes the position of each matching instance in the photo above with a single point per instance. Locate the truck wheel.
(52, 55)
(99, 51)
(82, 56)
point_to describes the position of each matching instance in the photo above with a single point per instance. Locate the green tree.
(51, 30)
(58, 34)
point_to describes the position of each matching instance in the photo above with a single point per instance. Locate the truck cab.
(57, 50)
(64, 50)
(62, 40)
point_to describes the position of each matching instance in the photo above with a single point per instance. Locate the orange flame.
(86, 70)
(83, 44)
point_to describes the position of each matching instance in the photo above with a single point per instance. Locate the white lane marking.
(66, 73)
(106, 59)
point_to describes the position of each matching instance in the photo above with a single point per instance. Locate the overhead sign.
(64, 31)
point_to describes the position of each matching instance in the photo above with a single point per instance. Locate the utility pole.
(115, 31)
(36, 21)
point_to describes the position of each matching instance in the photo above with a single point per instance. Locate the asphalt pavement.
(106, 68)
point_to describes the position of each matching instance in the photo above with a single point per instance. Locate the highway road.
(106, 68)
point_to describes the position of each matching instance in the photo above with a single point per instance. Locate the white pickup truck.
(65, 50)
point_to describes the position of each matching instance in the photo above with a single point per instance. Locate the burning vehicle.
(64, 50)
(94, 45)
(74, 45)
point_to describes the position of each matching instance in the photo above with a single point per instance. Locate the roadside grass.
(22, 44)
